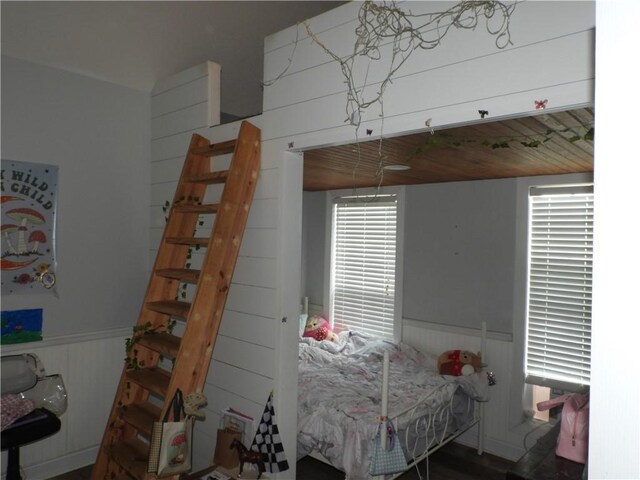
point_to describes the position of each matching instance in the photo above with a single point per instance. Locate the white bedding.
(339, 391)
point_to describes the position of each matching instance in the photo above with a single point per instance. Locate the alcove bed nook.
(338, 423)
(476, 124)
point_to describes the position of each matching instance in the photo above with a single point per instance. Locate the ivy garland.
(584, 132)
(131, 360)
(139, 331)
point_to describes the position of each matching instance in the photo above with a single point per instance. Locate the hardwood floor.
(83, 473)
(452, 462)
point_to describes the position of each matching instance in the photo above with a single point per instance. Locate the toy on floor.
(248, 456)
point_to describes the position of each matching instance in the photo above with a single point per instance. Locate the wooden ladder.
(147, 385)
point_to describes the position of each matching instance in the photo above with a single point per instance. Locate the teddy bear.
(319, 328)
(459, 362)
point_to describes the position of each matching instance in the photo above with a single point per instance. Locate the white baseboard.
(59, 466)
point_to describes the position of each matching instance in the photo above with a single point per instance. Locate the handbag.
(573, 439)
(49, 392)
(170, 445)
(387, 460)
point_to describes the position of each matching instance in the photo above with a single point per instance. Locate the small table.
(541, 462)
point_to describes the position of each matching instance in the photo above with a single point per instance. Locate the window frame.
(537, 371)
(521, 394)
(330, 201)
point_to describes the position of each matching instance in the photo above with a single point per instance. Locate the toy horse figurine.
(248, 456)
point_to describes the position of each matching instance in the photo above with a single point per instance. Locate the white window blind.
(560, 275)
(364, 264)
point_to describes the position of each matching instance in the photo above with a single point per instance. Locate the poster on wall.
(29, 194)
(21, 326)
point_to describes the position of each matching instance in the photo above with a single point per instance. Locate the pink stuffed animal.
(319, 328)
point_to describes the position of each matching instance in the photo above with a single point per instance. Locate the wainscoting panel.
(436, 339)
(95, 369)
(90, 366)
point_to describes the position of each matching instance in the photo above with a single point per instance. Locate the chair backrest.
(18, 373)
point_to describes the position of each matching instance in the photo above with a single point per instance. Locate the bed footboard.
(424, 429)
(422, 434)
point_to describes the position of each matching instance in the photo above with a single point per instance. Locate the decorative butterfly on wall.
(540, 104)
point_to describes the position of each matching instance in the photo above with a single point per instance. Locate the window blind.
(364, 264)
(558, 350)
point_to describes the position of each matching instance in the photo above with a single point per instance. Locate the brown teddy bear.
(459, 362)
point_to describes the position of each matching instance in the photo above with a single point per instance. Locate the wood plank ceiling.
(542, 144)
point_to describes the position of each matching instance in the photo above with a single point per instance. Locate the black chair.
(19, 375)
(38, 424)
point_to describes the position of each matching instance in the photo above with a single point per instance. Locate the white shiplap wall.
(551, 57)
(498, 355)
(86, 363)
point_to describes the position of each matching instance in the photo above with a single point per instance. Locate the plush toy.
(319, 328)
(193, 403)
(459, 362)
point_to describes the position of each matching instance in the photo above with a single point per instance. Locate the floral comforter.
(339, 391)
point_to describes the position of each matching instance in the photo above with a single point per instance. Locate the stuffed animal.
(319, 328)
(193, 403)
(459, 362)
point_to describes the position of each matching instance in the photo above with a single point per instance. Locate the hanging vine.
(385, 24)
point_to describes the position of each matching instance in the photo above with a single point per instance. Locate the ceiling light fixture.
(396, 167)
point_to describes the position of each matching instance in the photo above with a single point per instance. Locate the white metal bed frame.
(440, 418)
(425, 424)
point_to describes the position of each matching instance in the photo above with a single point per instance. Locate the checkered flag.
(267, 441)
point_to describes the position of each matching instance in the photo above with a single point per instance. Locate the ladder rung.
(201, 241)
(132, 455)
(163, 343)
(187, 275)
(210, 208)
(175, 308)
(208, 178)
(141, 416)
(214, 149)
(154, 379)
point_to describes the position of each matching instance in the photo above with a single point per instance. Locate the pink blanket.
(14, 407)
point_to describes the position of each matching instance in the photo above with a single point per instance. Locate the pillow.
(319, 328)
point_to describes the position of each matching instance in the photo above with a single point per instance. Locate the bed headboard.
(310, 309)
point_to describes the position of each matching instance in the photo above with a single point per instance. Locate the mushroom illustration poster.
(29, 194)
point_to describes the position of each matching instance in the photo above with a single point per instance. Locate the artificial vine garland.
(385, 24)
(571, 134)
